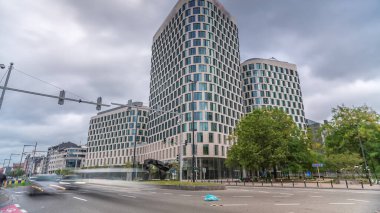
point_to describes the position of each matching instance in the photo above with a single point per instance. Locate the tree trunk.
(274, 172)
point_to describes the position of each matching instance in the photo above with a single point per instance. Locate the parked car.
(44, 184)
(71, 182)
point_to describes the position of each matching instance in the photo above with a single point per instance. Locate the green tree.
(19, 172)
(268, 139)
(354, 131)
(128, 165)
(64, 172)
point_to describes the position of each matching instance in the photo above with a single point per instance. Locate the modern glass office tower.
(113, 133)
(195, 67)
(273, 83)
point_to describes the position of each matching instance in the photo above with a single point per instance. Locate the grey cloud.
(102, 48)
(334, 37)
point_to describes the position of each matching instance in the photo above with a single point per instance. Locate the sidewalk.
(4, 198)
(314, 184)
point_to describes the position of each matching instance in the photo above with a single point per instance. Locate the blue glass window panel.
(197, 96)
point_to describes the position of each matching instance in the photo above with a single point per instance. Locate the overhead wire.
(47, 83)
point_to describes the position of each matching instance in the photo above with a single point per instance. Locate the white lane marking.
(263, 191)
(128, 196)
(280, 196)
(23, 211)
(341, 203)
(20, 192)
(186, 195)
(286, 204)
(286, 193)
(17, 205)
(167, 193)
(366, 201)
(244, 190)
(316, 196)
(229, 205)
(242, 196)
(153, 192)
(80, 199)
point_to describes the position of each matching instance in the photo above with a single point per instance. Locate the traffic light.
(99, 103)
(177, 157)
(61, 98)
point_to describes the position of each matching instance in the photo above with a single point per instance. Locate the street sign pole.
(319, 175)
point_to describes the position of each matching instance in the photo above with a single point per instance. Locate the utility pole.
(5, 84)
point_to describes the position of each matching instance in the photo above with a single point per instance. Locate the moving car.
(71, 182)
(44, 184)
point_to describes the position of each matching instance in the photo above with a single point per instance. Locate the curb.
(298, 187)
(193, 188)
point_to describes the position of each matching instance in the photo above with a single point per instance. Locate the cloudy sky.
(95, 48)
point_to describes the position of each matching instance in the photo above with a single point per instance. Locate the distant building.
(315, 129)
(112, 134)
(32, 164)
(269, 83)
(66, 155)
(18, 166)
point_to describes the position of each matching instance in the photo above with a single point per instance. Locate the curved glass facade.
(273, 83)
(195, 67)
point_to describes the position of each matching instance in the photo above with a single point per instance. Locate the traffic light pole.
(53, 96)
(61, 98)
(5, 84)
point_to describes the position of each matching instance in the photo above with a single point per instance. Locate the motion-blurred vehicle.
(44, 184)
(71, 182)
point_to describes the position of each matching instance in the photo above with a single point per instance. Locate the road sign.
(317, 165)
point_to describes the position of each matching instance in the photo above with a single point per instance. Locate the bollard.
(332, 184)
(271, 183)
(346, 184)
(304, 182)
(361, 182)
(293, 183)
(282, 184)
(318, 184)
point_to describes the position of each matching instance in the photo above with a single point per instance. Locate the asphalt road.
(147, 199)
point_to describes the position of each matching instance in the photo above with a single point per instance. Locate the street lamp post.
(134, 146)
(365, 162)
(22, 154)
(193, 129)
(10, 158)
(363, 154)
(4, 162)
